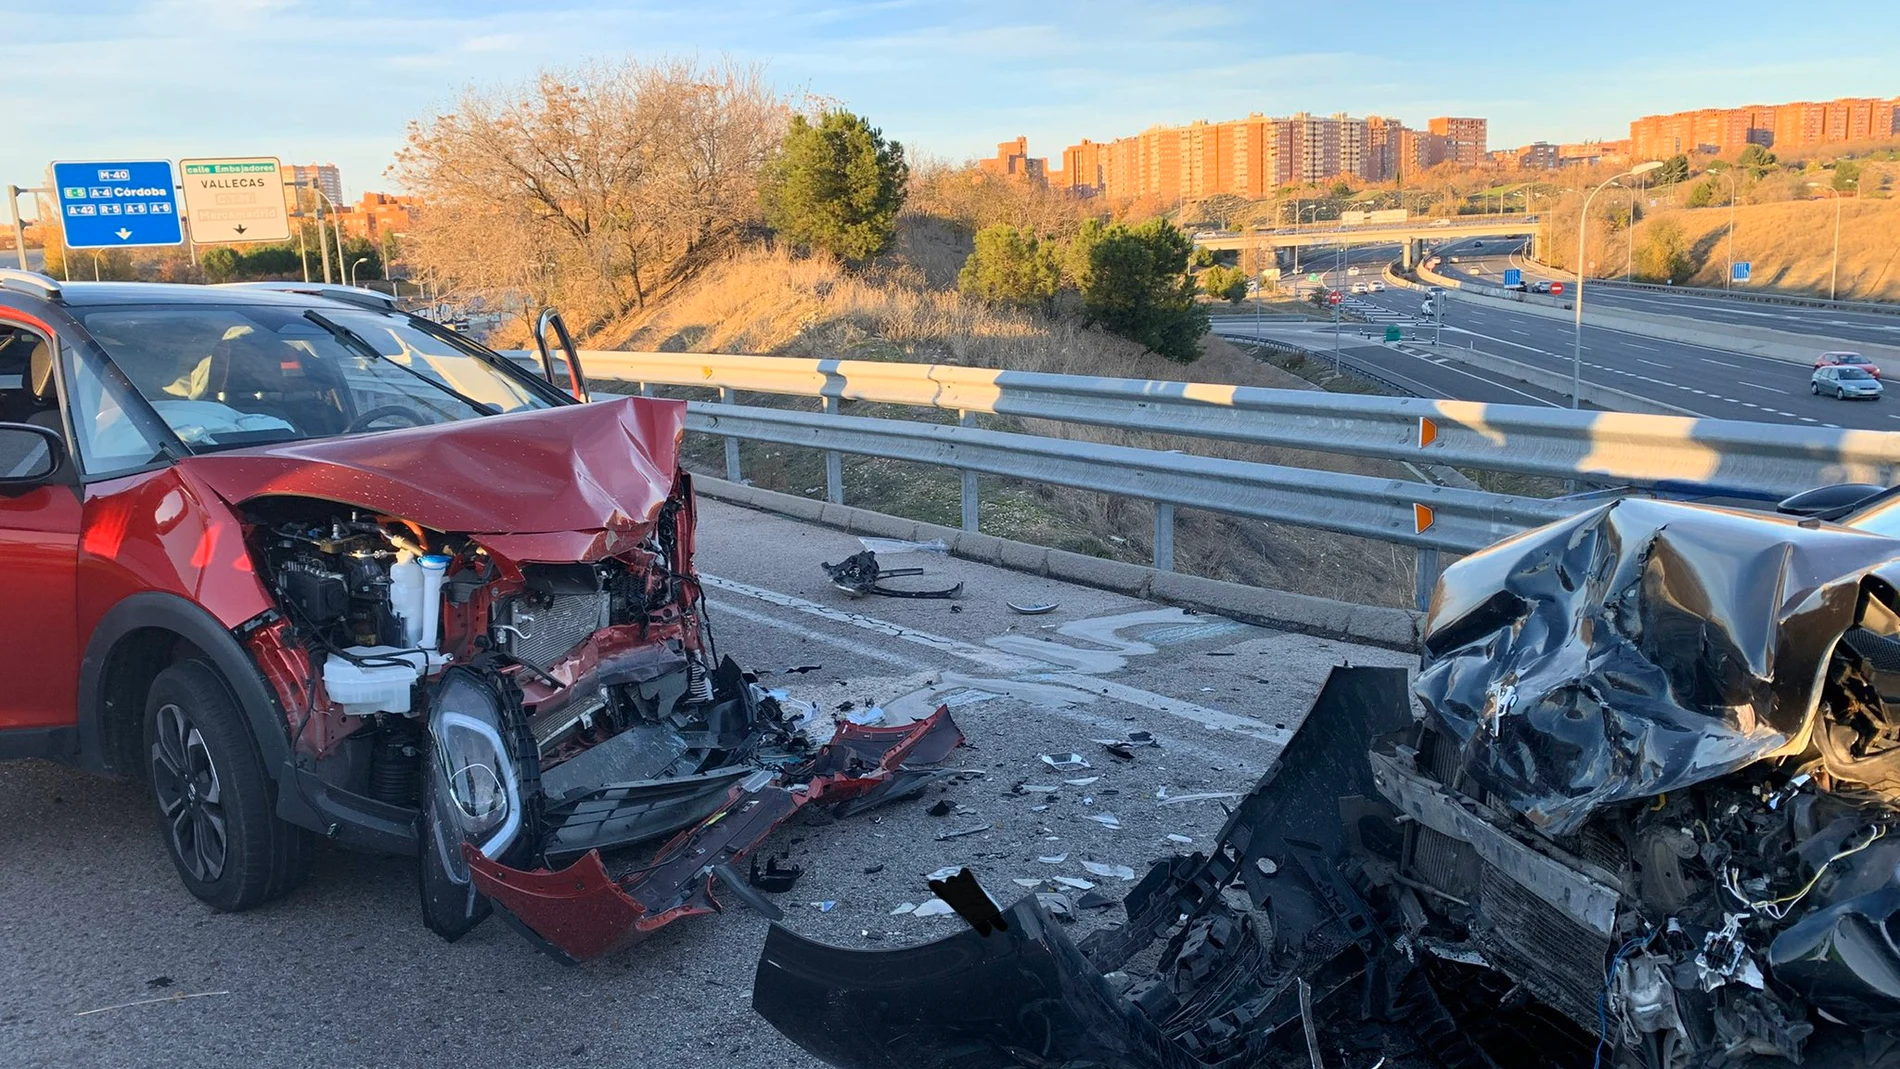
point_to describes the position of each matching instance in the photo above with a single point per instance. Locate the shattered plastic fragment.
(1119, 872)
(826, 906)
(961, 832)
(945, 873)
(903, 908)
(866, 717)
(900, 545)
(1083, 782)
(1032, 610)
(1075, 882)
(1206, 796)
(943, 808)
(936, 907)
(1073, 762)
(1053, 859)
(1027, 883)
(1106, 820)
(1058, 906)
(1176, 838)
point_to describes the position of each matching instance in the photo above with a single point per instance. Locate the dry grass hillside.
(771, 302)
(1790, 245)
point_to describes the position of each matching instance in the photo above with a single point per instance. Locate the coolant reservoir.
(405, 596)
(382, 686)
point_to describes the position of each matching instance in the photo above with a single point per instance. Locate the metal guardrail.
(1750, 296)
(1716, 457)
(1415, 514)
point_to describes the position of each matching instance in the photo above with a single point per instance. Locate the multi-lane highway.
(1704, 380)
(1489, 263)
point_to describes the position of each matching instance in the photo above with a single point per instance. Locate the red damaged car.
(315, 567)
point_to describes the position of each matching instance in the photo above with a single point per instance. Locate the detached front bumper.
(583, 911)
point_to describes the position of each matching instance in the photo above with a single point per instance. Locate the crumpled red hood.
(574, 483)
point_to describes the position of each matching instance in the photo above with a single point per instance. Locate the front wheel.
(1840, 393)
(215, 812)
(1813, 389)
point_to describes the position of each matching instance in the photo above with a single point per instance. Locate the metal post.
(19, 228)
(1424, 576)
(970, 501)
(730, 396)
(834, 462)
(323, 243)
(1164, 537)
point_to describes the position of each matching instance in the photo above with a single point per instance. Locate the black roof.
(88, 294)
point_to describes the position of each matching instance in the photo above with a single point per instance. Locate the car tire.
(1840, 393)
(216, 811)
(1813, 389)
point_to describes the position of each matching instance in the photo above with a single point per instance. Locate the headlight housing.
(474, 793)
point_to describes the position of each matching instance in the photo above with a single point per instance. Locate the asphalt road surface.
(1491, 261)
(1704, 380)
(342, 973)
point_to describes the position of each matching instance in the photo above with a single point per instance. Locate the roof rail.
(29, 282)
(348, 294)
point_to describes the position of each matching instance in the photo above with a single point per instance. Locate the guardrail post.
(1425, 571)
(834, 462)
(965, 419)
(730, 396)
(1164, 537)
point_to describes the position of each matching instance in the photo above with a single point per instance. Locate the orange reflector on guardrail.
(1421, 518)
(1427, 432)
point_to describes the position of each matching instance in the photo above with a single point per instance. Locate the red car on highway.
(315, 568)
(1846, 359)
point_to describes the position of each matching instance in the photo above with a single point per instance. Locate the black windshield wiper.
(355, 342)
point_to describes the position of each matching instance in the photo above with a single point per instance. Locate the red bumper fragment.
(583, 912)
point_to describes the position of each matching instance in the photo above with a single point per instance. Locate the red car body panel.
(565, 484)
(165, 531)
(38, 548)
(583, 912)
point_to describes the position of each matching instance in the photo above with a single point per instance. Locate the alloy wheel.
(190, 796)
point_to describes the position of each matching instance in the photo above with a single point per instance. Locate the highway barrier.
(1643, 453)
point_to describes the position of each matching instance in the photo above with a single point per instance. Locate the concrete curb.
(1279, 609)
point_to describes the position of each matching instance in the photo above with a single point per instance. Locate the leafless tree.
(589, 188)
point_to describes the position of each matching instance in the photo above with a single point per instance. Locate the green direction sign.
(1312, 278)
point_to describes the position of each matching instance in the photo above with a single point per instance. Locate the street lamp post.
(1583, 222)
(1834, 272)
(360, 260)
(336, 229)
(1733, 195)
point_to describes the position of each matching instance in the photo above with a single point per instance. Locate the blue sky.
(336, 80)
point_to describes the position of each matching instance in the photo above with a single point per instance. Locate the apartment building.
(377, 217)
(1464, 138)
(1779, 126)
(1012, 160)
(324, 176)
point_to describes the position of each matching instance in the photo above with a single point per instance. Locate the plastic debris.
(1106, 820)
(1075, 882)
(1072, 762)
(1182, 839)
(961, 832)
(1028, 883)
(1083, 782)
(1054, 859)
(1119, 872)
(1058, 906)
(801, 669)
(1032, 610)
(776, 878)
(1206, 796)
(1038, 808)
(903, 908)
(859, 575)
(945, 872)
(1120, 750)
(870, 870)
(866, 717)
(901, 545)
(936, 907)
(1096, 900)
(1036, 788)
(943, 808)
(1266, 865)
(826, 906)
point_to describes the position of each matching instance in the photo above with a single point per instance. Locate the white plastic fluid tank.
(362, 689)
(405, 596)
(435, 568)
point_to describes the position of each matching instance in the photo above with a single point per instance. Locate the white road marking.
(1000, 661)
(1724, 363)
(1653, 363)
(1770, 389)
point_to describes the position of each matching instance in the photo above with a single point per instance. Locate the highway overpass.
(1410, 236)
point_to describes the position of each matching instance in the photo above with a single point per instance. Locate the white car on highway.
(1375, 287)
(1844, 381)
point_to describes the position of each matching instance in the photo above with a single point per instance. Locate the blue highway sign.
(1741, 270)
(117, 205)
(1513, 276)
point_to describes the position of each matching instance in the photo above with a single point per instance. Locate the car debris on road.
(1645, 810)
(859, 575)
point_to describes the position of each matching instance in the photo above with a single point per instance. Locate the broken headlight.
(474, 794)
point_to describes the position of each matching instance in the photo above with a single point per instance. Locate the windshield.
(223, 377)
(1846, 358)
(1853, 374)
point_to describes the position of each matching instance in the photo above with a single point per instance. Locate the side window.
(27, 392)
(114, 431)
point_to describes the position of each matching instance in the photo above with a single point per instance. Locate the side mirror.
(29, 456)
(576, 385)
(1829, 502)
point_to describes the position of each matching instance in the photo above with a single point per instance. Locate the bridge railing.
(1710, 457)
